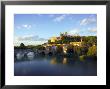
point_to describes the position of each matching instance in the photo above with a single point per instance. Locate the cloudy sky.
(34, 29)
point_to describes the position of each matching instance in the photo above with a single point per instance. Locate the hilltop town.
(63, 45)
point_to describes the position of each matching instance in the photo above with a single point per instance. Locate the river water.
(55, 66)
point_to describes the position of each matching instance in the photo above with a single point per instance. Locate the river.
(55, 66)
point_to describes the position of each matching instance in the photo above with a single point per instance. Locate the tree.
(49, 41)
(66, 33)
(22, 46)
(61, 34)
(92, 51)
(84, 44)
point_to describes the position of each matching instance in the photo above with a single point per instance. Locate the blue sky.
(34, 29)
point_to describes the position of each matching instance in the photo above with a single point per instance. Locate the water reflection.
(62, 60)
(56, 66)
(30, 57)
(65, 61)
(53, 61)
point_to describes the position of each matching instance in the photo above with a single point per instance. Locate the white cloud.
(89, 20)
(29, 38)
(59, 18)
(74, 32)
(27, 26)
(17, 43)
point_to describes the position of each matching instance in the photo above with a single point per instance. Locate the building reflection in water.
(65, 61)
(53, 61)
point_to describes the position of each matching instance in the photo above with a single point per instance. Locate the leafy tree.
(84, 44)
(49, 41)
(92, 51)
(66, 33)
(40, 47)
(22, 46)
(61, 34)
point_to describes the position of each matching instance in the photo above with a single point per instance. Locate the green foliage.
(89, 40)
(59, 42)
(40, 47)
(22, 46)
(84, 43)
(49, 41)
(92, 51)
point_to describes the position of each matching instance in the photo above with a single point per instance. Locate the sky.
(35, 29)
